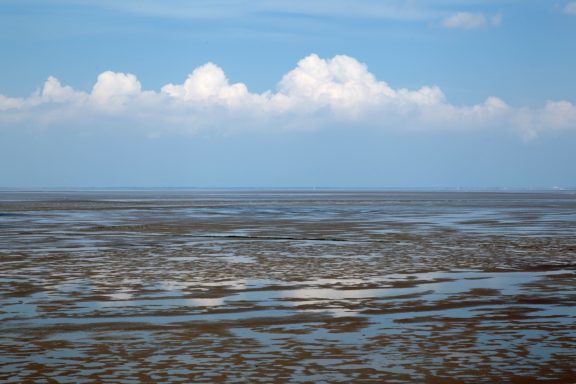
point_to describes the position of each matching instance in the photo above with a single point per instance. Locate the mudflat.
(287, 286)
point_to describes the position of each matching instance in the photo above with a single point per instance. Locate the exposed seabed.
(287, 287)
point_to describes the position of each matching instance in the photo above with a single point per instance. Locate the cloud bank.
(317, 94)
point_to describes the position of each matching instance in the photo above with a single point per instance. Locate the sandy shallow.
(287, 286)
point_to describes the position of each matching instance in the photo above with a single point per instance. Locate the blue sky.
(428, 94)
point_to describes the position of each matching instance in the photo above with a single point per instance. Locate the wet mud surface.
(255, 286)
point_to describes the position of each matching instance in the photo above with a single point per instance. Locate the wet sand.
(287, 286)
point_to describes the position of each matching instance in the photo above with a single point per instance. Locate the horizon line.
(292, 188)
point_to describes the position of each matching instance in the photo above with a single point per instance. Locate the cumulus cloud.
(51, 92)
(207, 83)
(346, 89)
(112, 90)
(56, 92)
(318, 93)
(570, 8)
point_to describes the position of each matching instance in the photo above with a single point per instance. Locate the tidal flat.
(298, 286)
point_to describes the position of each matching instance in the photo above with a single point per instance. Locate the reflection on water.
(287, 287)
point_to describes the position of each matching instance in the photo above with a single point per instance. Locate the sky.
(277, 93)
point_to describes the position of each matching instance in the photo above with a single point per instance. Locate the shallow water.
(287, 286)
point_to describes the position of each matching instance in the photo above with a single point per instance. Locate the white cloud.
(346, 88)
(51, 92)
(317, 93)
(207, 83)
(112, 90)
(560, 114)
(54, 91)
(555, 116)
(570, 8)
(464, 20)
(341, 82)
(7, 103)
(468, 20)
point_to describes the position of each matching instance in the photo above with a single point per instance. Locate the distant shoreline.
(297, 189)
